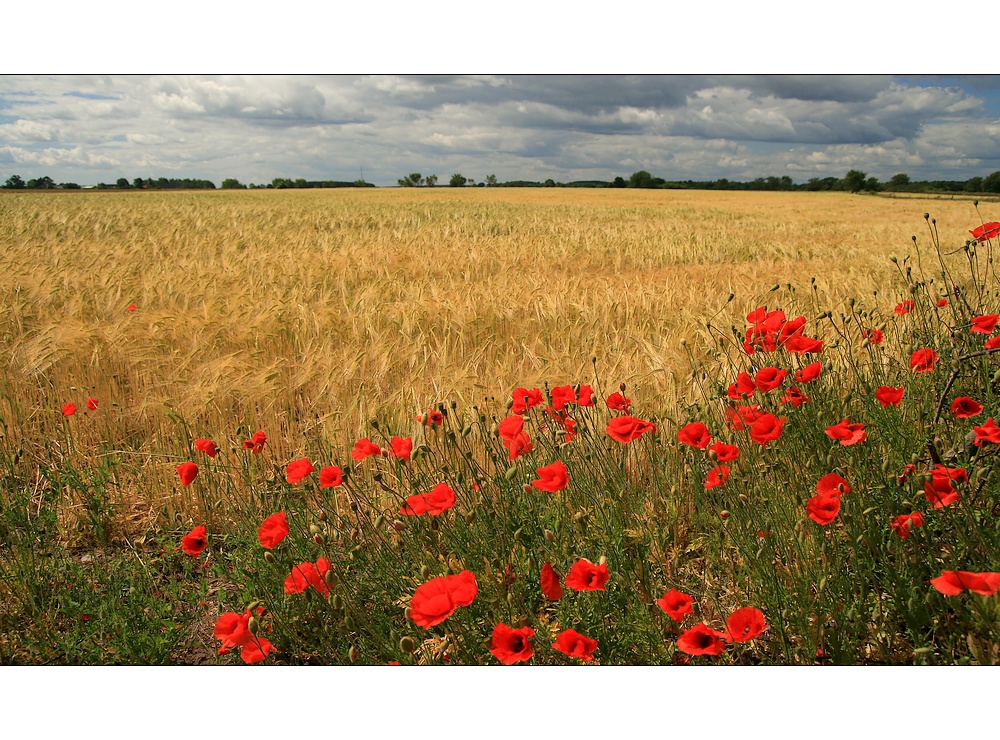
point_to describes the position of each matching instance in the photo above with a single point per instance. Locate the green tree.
(491, 180)
(457, 181)
(898, 181)
(991, 183)
(550, 183)
(619, 182)
(122, 184)
(281, 183)
(231, 183)
(14, 182)
(413, 180)
(42, 183)
(431, 180)
(855, 181)
(640, 179)
(138, 183)
(973, 185)
(872, 185)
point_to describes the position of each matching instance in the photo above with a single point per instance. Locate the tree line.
(855, 181)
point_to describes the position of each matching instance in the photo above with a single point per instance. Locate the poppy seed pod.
(407, 645)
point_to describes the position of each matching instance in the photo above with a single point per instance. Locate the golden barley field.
(306, 313)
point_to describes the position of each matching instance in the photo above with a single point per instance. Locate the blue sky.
(87, 129)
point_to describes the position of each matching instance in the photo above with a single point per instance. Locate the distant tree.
(550, 183)
(457, 181)
(14, 182)
(640, 179)
(491, 180)
(122, 184)
(619, 182)
(431, 180)
(69, 186)
(900, 180)
(138, 183)
(42, 183)
(991, 183)
(280, 183)
(855, 181)
(872, 185)
(231, 183)
(973, 185)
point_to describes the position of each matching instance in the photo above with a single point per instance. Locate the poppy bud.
(318, 539)
(313, 529)
(399, 525)
(322, 515)
(407, 645)
(338, 602)
(352, 654)
(549, 535)
(435, 524)
(466, 430)
(376, 477)
(775, 287)
(531, 563)
(603, 560)
(425, 572)
(379, 521)
(510, 473)
(269, 557)
(743, 498)
(470, 517)
(408, 612)
(713, 455)
(684, 342)
(349, 623)
(254, 604)
(526, 488)
(252, 625)
(374, 423)
(330, 577)
(724, 514)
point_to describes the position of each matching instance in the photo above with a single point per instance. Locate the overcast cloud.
(88, 129)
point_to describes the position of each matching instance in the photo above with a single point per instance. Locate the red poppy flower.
(904, 308)
(985, 324)
(941, 302)
(964, 407)
(823, 509)
(960, 475)
(256, 443)
(69, 409)
(585, 576)
(92, 404)
(273, 530)
(624, 429)
(562, 395)
(525, 399)
(618, 402)
(511, 646)
(298, 469)
(908, 470)
(514, 437)
(676, 604)
(575, 645)
(804, 345)
(889, 396)
(435, 601)
(187, 471)
(940, 492)
(791, 328)
(717, 476)
(992, 343)
(767, 428)
(953, 582)
(745, 624)
(847, 433)
(875, 336)
(725, 453)
(902, 523)
(695, 434)
(308, 574)
(923, 360)
(365, 448)
(550, 583)
(832, 484)
(586, 396)
(435, 503)
(809, 373)
(769, 378)
(552, 477)
(330, 476)
(433, 418)
(986, 231)
(988, 432)
(701, 640)
(741, 417)
(207, 446)
(744, 387)
(195, 541)
(401, 448)
(131, 308)
(795, 397)
(234, 631)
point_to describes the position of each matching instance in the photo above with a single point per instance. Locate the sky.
(97, 128)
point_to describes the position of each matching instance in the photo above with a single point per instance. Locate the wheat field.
(307, 313)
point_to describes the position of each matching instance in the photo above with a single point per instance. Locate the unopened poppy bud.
(374, 423)
(435, 524)
(322, 515)
(775, 287)
(850, 302)
(470, 517)
(407, 645)
(379, 521)
(684, 342)
(338, 602)
(330, 577)
(352, 654)
(313, 529)
(254, 604)
(510, 473)
(526, 488)
(603, 560)
(724, 514)
(376, 476)
(621, 387)
(531, 563)
(408, 612)
(425, 572)
(713, 455)
(549, 535)
(349, 623)
(252, 625)
(318, 539)
(466, 430)
(743, 498)
(399, 525)
(269, 557)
